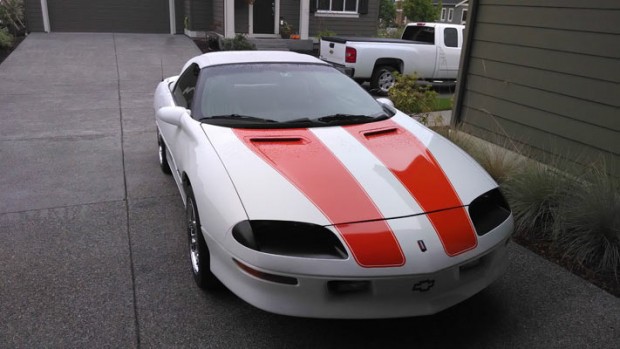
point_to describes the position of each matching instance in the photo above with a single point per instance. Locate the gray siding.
(545, 73)
(200, 14)
(365, 25)
(109, 16)
(242, 12)
(290, 11)
(218, 16)
(179, 8)
(34, 18)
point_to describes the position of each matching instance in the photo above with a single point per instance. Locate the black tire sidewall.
(163, 163)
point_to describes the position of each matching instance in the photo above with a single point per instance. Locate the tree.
(387, 13)
(421, 10)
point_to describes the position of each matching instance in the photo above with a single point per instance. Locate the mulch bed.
(609, 282)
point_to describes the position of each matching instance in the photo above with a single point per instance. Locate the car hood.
(346, 174)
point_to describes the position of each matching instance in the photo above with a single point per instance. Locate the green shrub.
(534, 193)
(587, 225)
(238, 43)
(325, 32)
(6, 39)
(390, 33)
(12, 15)
(411, 97)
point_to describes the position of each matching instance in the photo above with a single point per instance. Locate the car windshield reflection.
(282, 95)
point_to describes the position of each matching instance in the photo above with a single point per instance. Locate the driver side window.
(186, 85)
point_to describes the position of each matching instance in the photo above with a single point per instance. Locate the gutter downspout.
(459, 95)
(46, 16)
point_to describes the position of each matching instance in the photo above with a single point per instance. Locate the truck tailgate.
(332, 50)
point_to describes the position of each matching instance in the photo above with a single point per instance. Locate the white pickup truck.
(430, 50)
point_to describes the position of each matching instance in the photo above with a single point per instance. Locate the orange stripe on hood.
(308, 164)
(416, 168)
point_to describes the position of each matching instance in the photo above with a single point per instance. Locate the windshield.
(281, 95)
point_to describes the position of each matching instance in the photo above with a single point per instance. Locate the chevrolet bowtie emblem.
(424, 285)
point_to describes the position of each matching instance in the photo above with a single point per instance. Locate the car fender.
(218, 203)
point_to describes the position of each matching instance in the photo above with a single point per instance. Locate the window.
(450, 37)
(185, 87)
(420, 34)
(464, 17)
(443, 14)
(450, 14)
(337, 5)
(279, 92)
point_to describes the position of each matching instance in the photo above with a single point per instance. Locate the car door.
(175, 136)
(449, 53)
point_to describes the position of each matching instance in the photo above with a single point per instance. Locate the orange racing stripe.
(416, 168)
(299, 156)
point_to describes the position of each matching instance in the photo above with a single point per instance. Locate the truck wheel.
(383, 79)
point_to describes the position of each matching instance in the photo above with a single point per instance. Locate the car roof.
(240, 57)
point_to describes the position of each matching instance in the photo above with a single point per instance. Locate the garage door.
(120, 16)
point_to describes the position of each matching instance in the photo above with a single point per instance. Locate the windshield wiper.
(352, 118)
(236, 117)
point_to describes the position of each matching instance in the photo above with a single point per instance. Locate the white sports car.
(307, 197)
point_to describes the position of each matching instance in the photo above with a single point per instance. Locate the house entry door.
(264, 12)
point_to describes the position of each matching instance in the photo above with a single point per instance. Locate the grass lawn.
(443, 103)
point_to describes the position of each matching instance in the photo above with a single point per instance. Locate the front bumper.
(385, 297)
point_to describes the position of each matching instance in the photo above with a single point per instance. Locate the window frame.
(443, 14)
(464, 16)
(337, 13)
(450, 15)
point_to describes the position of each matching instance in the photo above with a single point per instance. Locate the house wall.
(34, 18)
(545, 73)
(242, 12)
(200, 14)
(179, 11)
(217, 24)
(290, 11)
(458, 15)
(365, 25)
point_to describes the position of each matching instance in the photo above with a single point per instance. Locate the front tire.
(383, 79)
(198, 251)
(163, 156)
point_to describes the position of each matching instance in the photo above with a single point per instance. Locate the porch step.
(270, 44)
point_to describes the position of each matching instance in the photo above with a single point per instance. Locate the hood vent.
(287, 140)
(380, 132)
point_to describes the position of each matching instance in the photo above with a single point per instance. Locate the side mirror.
(171, 115)
(387, 103)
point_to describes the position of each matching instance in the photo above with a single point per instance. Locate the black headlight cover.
(488, 211)
(286, 238)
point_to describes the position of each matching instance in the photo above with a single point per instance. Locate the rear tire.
(198, 252)
(163, 156)
(382, 79)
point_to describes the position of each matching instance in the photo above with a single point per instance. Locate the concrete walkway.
(92, 247)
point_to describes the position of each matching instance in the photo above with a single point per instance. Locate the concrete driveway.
(92, 247)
